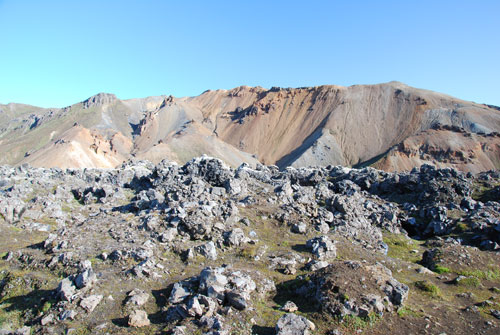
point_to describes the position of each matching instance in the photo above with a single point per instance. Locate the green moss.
(46, 307)
(441, 269)
(401, 247)
(249, 251)
(352, 322)
(490, 274)
(469, 282)
(407, 311)
(429, 288)
(461, 227)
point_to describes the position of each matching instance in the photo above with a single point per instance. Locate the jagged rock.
(67, 314)
(23, 331)
(179, 293)
(193, 307)
(293, 324)
(208, 250)
(137, 297)
(237, 300)
(47, 319)
(178, 330)
(138, 319)
(289, 307)
(85, 279)
(322, 247)
(235, 237)
(316, 265)
(66, 289)
(90, 303)
(299, 228)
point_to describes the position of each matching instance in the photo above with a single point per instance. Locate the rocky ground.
(206, 249)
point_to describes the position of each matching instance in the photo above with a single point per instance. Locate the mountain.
(390, 126)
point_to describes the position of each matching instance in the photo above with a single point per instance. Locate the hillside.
(206, 249)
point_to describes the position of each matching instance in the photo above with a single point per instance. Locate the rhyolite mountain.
(389, 126)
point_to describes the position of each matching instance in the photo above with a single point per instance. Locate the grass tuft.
(428, 288)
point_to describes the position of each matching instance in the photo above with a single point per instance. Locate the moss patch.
(429, 288)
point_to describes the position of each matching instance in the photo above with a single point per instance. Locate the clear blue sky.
(56, 53)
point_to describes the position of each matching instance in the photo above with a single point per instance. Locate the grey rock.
(289, 307)
(237, 300)
(67, 314)
(66, 289)
(47, 319)
(138, 318)
(299, 228)
(235, 237)
(90, 303)
(293, 324)
(85, 279)
(179, 293)
(315, 265)
(208, 250)
(137, 297)
(396, 291)
(322, 247)
(23, 331)
(193, 307)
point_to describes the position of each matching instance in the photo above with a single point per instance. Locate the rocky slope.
(392, 126)
(202, 248)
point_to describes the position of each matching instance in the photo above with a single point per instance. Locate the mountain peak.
(99, 99)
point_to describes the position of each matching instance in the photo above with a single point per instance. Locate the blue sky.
(56, 53)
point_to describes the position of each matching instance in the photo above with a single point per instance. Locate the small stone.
(289, 270)
(138, 319)
(293, 324)
(208, 250)
(178, 294)
(49, 318)
(193, 307)
(23, 331)
(299, 228)
(316, 265)
(67, 314)
(85, 279)
(289, 307)
(91, 302)
(137, 297)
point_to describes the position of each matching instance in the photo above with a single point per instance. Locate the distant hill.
(390, 126)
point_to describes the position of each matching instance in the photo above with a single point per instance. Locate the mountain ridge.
(320, 125)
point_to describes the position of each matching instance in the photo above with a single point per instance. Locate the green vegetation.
(407, 311)
(469, 282)
(428, 288)
(21, 297)
(441, 269)
(355, 322)
(490, 274)
(461, 227)
(46, 306)
(402, 247)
